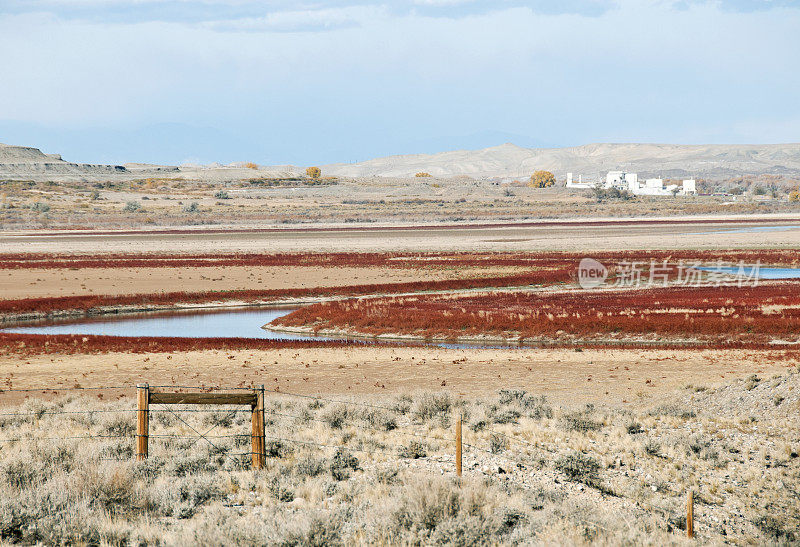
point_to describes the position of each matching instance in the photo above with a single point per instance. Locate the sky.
(317, 82)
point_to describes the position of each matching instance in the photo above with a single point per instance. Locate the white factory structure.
(630, 182)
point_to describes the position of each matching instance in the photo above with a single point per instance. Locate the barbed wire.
(31, 389)
(69, 437)
(318, 398)
(371, 428)
(217, 388)
(348, 449)
(278, 392)
(228, 410)
(207, 437)
(202, 410)
(226, 454)
(171, 436)
(46, 412)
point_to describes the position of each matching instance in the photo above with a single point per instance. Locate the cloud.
(757, 5)
(340, 81)
(739, 5)
(260, 13)
(295, 21)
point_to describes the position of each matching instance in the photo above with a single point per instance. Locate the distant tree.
(542, 179)
(251, 165)
(759, 191)
(422, 174)
(794, 195)
(221, 194)
(314, 172)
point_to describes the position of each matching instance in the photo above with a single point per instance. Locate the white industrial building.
(622, 180)
(630, 182)
(580, 184)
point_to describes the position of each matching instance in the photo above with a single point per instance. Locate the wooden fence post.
(458, 446)
(258, 446)
(690, 514)
(142, 420)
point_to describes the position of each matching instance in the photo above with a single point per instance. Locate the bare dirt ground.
(35, 282)
(602, 377)
(581, 236)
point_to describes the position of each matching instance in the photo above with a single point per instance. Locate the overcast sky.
(281, 81)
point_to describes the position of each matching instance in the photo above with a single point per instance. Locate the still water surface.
(247, 323)
(752, 272)
(206, 324)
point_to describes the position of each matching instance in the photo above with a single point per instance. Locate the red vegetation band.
(721, 314)
(72, 344)
(35, 344)
(397, 260)
(88, 302)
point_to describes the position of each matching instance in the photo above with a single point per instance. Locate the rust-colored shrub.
(707, 315)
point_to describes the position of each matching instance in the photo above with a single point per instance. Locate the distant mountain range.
(717, 161)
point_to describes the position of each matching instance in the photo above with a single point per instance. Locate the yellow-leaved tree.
(542, 179)
(313, 172)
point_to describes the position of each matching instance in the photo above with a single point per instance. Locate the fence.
(254, 398)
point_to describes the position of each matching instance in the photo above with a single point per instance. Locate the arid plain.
(238, 267)
(612, 401)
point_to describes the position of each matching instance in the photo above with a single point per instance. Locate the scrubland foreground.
(381, 471)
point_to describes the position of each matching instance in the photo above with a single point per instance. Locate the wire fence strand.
(232, 411)
(74, 388)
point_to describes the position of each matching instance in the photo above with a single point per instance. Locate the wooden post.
(262, 427)
(142, 420)
(258, 445)
(690, 514)
(458, 446)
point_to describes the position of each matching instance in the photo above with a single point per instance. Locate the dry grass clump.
(382, 472)
(579, 467)
(580, 421)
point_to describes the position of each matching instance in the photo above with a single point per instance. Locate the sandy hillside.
(508, 160)
(591, 160)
